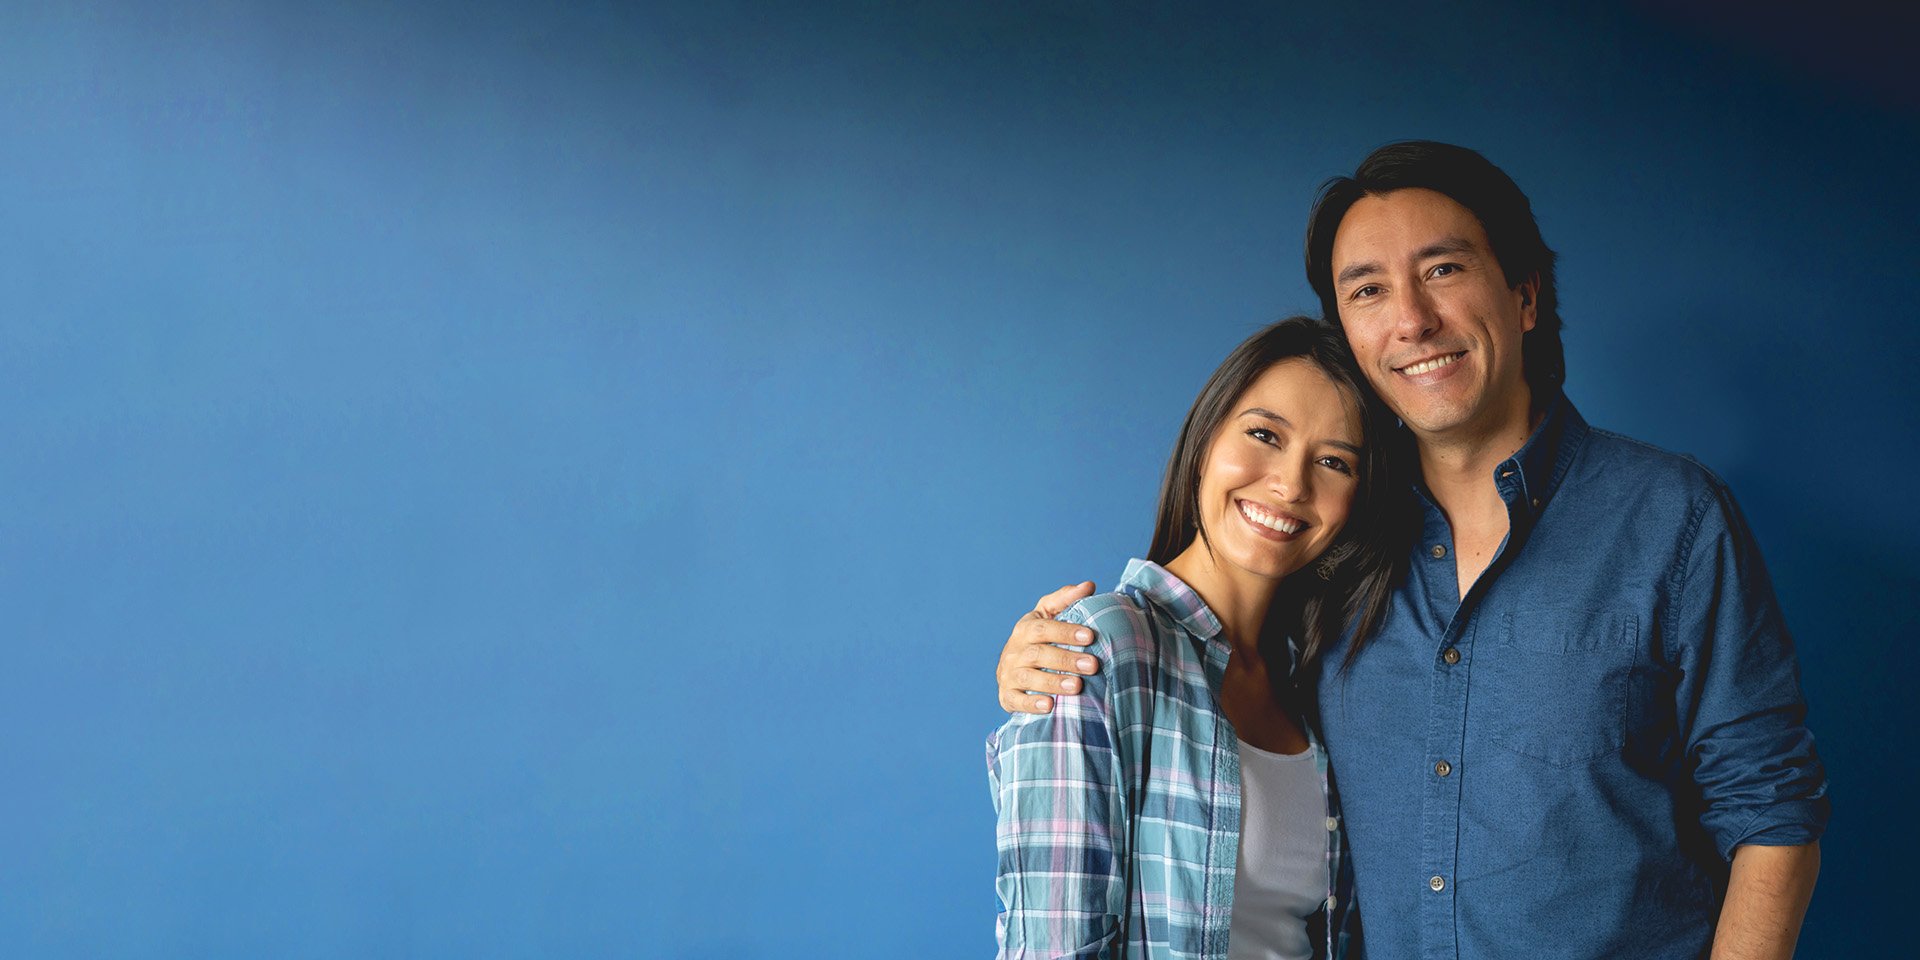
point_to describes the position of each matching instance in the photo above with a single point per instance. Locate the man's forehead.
(1412, 222)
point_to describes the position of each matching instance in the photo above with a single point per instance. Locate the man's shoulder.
(1629, 469)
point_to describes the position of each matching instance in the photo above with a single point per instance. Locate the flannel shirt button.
(1331, 903)
(1333, 823)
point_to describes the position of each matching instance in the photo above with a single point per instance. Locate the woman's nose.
(1290, 482)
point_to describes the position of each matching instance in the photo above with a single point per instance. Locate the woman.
(1271, 536)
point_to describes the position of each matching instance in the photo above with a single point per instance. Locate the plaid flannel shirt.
(1064, 785)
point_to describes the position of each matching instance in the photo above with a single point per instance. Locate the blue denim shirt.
(1561, 764)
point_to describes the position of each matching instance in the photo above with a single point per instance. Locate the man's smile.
(1430, 364)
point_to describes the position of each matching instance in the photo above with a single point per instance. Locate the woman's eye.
(1337, 464)
(1262, 434)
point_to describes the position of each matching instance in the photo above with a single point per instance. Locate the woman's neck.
(1238, 599)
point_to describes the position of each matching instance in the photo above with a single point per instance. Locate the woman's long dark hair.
(1371, 548)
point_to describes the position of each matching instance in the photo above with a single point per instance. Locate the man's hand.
(1030, 652)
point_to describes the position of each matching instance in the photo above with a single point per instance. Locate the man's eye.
(1366, 291)
(1446, 269)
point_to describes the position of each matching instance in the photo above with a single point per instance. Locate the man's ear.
(1529, 300)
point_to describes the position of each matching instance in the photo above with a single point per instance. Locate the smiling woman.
(1272, 536)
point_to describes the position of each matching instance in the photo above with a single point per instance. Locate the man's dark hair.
(1315, 610)
(1484, 189)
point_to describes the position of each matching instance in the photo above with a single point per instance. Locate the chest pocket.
(1554, 683)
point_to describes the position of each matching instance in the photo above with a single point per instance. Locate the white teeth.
(1268, 520)
(1426, 366)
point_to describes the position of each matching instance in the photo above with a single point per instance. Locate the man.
(1579, 731)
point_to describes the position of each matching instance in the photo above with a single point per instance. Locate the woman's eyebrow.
(1283, 421)
(1269, 414)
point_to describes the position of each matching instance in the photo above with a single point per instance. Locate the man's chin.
(1430, 419)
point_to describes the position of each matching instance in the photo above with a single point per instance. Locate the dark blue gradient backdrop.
(511, 480)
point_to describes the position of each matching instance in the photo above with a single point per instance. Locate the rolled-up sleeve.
(1741, 714)
(1057, 786)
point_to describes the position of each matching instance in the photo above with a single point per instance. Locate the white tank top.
(1280, 878)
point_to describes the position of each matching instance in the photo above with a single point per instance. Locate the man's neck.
(1458, 469)
(1458, 466)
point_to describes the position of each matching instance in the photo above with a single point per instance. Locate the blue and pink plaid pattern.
(1064, 784)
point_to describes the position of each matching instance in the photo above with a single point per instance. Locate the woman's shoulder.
(1124, 624)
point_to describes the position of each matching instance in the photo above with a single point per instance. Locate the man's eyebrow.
(1355, 271)
(1446, 246)
(1283, 421)
(1449, 246)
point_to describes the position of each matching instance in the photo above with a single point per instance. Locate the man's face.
(1428, 313)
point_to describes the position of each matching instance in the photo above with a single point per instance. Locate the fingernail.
(1084, 636)
(1067, 684)
(1040, 704)
(1086, 663)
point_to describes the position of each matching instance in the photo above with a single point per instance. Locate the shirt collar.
(1171, 594)
(1535, 471)
(1528, 479)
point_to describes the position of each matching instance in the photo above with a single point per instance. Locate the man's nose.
(1417, 317)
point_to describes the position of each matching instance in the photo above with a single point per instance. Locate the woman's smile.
(1271, 523)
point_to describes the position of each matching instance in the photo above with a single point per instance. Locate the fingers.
(1034, 630)
(1052, 604)
(1046, 656)
(1025, 683)
(1040, 681)
(1024, 702)
(1025, 689)
(1032, 645)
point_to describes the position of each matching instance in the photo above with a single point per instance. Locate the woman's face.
(1282, 471)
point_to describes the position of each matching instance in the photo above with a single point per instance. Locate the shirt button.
(1438, 551)
(1437, 884)
(1331, 903)
(1333, 823)
(1536, 502)
(1443, 768)
(1450, 655)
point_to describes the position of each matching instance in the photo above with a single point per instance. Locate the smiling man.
(1579, 730)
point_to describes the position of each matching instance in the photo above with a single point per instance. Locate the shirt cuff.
(1789, 823)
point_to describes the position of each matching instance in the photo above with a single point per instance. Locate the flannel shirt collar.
(1171, 594)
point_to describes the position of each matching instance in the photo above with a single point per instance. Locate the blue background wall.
(500, 481)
